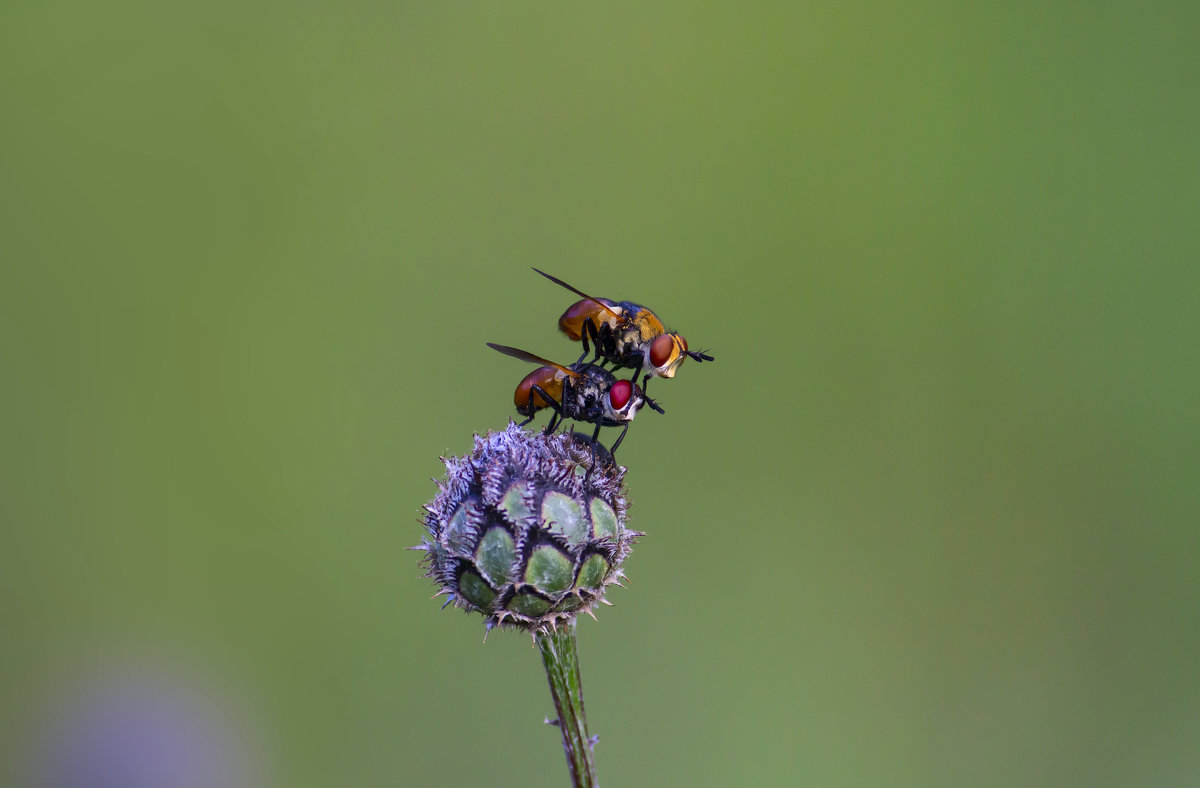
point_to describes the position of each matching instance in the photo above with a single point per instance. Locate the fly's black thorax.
(623, 344)
(584, 397)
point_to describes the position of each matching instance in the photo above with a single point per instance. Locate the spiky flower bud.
(528, 529)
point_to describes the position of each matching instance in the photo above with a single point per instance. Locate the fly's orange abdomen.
(571, 322)
(549, 379)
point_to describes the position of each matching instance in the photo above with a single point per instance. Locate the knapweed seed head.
(528, 529)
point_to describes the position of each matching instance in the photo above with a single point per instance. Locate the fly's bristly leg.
(613, 451)
(589, 326)
(591, 330)
(550, 401)
(646, 397)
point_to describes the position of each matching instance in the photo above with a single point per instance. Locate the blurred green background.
(929, 520)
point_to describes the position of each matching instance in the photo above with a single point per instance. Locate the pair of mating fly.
(623, 334)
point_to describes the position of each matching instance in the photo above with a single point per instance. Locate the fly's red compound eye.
(660, 350)
(683, 342)
(619, 394)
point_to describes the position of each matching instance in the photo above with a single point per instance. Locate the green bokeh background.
(929, 520)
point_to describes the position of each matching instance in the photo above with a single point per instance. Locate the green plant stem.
(562, 669)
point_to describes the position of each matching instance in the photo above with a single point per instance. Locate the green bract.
(526, 530)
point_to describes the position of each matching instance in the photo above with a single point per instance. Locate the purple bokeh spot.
(139, 732)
